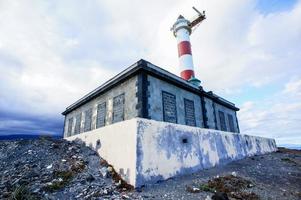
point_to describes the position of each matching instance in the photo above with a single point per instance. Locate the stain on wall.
(161, 152)
(147, 151)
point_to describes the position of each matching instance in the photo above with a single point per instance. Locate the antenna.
(198, 19)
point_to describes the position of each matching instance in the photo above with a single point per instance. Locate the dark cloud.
(57, 51)
(18, 123)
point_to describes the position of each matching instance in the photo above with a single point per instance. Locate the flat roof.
(149, 68)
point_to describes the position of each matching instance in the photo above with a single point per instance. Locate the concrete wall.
(116, 144)
(146, 151)
(155, 110)
(129, 88)
(163, 153)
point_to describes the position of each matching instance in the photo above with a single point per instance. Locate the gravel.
(271, 176)
(48, 168)
(55, 169)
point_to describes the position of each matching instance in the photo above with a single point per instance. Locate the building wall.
(226, 111)
(166, 150)
(147, 151)
(210, 113)
(155, 106)
(128, 88)
(117, 145)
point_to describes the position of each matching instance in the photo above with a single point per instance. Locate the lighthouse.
(182, 30)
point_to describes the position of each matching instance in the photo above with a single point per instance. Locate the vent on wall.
(184, 140)
(98, 144)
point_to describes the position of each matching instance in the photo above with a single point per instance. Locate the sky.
(54, 52)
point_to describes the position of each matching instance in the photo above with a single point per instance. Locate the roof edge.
(152, 70)
(109, 83)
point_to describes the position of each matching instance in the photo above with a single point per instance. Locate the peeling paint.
(146, 151)
(165, 155)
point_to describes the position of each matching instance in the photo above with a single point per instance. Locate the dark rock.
(90, 178)
(220, 196)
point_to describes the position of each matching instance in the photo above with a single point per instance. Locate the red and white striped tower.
(182, 30)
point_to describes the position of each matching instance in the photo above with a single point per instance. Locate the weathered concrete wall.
(165, 150)
(145, 151)
(155, 110)
(128, 88)
(116, 144)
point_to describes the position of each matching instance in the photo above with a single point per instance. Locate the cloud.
(35, 70)
(16, 123)
(237, 45)
(277, 116)
(54, 52)
(293, 87)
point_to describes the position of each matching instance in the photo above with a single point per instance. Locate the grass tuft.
(22, 193)
(66, 177)
(206, 188)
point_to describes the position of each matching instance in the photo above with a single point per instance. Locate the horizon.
(53, 53)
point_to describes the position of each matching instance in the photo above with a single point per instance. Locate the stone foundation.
(146, 151)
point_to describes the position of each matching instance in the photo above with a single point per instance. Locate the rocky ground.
(57, 169)
(272, 176)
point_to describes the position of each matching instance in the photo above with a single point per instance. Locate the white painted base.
(117, 145)
(145, 151)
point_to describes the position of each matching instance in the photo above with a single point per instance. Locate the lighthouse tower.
(182, 30)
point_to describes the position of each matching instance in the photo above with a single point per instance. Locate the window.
(78, 120)
(231, 123)
(169, 107)
(189, 112)
(70, 124)
(88, 120)
(222, 121)
(101, 115)
(118, 108)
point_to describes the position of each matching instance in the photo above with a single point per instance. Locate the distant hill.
(23, 136)
(291, 146)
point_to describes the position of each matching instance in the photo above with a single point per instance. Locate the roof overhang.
(149, 68)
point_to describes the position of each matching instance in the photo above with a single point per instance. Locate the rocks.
(90, 178)
(193, 189)
(59, 169)
(220, 196)
(275, 179)
(55, 169)
(104, 171)
(49, 167)
(110, 169)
